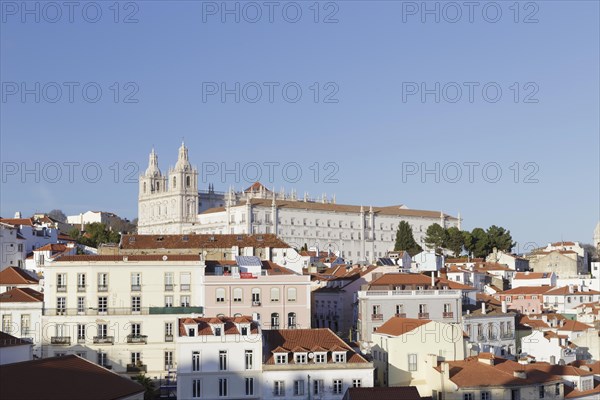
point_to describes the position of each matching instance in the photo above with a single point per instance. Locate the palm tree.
(148, 384)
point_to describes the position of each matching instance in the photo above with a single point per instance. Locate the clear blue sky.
(372, 56)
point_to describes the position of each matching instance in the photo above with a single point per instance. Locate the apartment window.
(237, 295)
(278, 388)
(195, 361)
(168, 360)
(275, 320)
(25, 324)
(299, 388)
(102, 358)
(136, 304)
(291, 294)
(184, 301)
(185, 281)
(356, 382)
(196, 388)
(220, 295)
(7, 323)
(337, 386)
(255, 296)
(376, 309)
(468, 396)
(222, 360)
(486, 396)
(248, 359)
(80, 282)
(281, 358)
(102, 330)
(102, 282)
(168, 281)
(249, 386)
(274, 294)
(541, 392)
(399, 309)
(168, 331)
(320, 358)
(80, 333)
(102, 304)
(81, 305)
(557, 389)
(61, 282)
(136, 357)
(61, 305)
(169, 301)
(318, 386)
(136, 281)
(515, 394)
(136, 329)
(222, 387)
(412, 362)
(291, 320)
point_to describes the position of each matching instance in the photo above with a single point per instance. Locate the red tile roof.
(306, 338)
(397, 326)
(566, 290)
(526, 290)
(16, 276)
(384, 393)
(203, 325)
(122, 258)
(63, 378)
(7, 340)
(532, 275)
(196, 241)
(17, 221)
(21, 295)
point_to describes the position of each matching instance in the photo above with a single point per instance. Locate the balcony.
(168, 338)
(81, 288)
(61, 288)
(423, 315)
(184, 287)
(107, 366)
(137, 339)
(507, 335)
(174, 310)
(104, 339)
(449, 314)
(380, 293)
(136, 288)
(256, 304)
(137, 368)
(122, 311)
(376, 317)
(400, 315)
(103, 288)
(168, 287)
(60, 340)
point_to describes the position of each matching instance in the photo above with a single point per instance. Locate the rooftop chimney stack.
(483, 311)
(504, 307)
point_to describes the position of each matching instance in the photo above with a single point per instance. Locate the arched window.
(291, 320)
(291, 294)
(275, 320)
(237, 295)
(220, 295)
(158, 186)
(274, 294)
(144, 187)
(174, 182)
(255, 296)
(187, 181)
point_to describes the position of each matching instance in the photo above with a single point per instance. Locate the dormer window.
(191, 332)
(339, 357)
(281, 358)
(244, 330)
(300, 358)
(320, 358)
(217, 331)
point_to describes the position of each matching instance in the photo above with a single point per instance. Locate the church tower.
(152, 186)
(183, 190)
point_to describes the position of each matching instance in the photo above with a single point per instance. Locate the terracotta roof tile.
(7, 340)
(21, 295)
(385, 393)
(397, 326)
(16, 276)
(197, 241)
(71, 377)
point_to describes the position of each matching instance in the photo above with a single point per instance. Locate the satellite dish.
(165, 258)
(311, 355)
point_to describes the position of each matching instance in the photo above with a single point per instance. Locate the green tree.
(435, 237)
(150, 390)
(405, 239)
(480, 243)
(57, 215)
(499, 238)
(74, 233)
(468, 241)
(97, 233)
(455, 240)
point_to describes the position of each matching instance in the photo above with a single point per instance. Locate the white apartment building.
(528, 278)
(410, 296)
(172, 204)
(120, 311)
(427, 261)
(36, 232)
(12, 247)
(14, 277)
(310, 363)
(21, 315)
(490, 328)
(566, 299)
(219, 358)
(91, 217)
(549, 347)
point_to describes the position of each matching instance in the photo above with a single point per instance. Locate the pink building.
(276, 297)
(525, 299)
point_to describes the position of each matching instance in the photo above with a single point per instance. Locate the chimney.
(432, 280)
(483, 307)
(504, 307)
(520, 374)
(570, 288)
